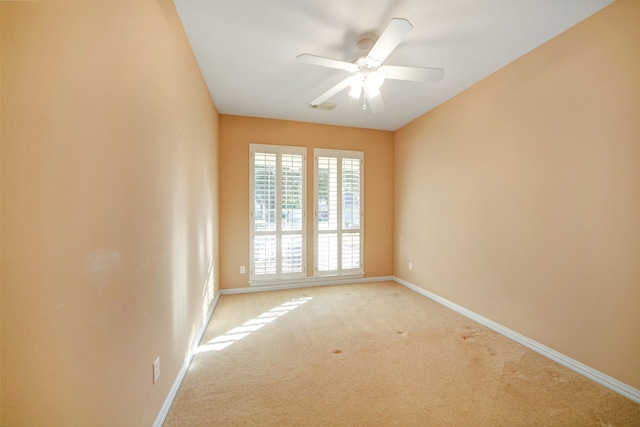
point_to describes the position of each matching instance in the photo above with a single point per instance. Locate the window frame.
(339, 155)
(279, 151)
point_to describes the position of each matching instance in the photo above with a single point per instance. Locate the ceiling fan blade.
(375, 102)
(391, 37)
(331, 92)
(418, 74)
(326, 62)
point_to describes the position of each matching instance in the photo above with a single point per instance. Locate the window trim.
(339, 155)
(278, 150)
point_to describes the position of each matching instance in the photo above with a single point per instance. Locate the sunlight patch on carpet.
(236, 334)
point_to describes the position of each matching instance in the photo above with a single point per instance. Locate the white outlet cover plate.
(156, 370)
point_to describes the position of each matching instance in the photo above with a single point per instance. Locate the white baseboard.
(168, 401)
(308, 283)
(593, 374)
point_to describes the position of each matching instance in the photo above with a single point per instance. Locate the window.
(338, 222)
(277, 217)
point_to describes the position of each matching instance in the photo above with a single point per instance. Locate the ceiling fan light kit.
(367, 72)
(370, 79)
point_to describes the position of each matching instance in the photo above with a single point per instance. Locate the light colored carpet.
(376, 354)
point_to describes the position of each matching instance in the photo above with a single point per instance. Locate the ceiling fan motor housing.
(364, 46)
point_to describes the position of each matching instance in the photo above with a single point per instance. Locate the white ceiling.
(247, 50)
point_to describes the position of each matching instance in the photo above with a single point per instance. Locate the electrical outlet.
(410, 266)
(242, 269)
(156, 370)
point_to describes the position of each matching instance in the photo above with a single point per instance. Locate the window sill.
(308, 281)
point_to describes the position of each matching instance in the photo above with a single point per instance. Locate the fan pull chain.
(364, 103)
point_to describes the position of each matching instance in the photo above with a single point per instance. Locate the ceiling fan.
(367, 72)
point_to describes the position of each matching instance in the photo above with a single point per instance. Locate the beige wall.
(520, 198)
(109, 209)
(236, 133)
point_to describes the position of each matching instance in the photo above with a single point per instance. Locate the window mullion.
(279, 213)
(340, 219)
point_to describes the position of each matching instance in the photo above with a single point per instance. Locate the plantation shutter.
(338, 213)
(277, 212)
